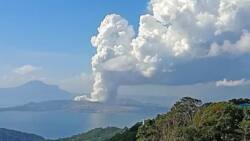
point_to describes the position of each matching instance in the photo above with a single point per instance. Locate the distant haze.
(33, 91)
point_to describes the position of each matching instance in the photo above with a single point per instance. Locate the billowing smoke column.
(175, 32)
(113, 40)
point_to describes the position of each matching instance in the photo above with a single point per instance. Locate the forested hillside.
(188, 120)
(98, 134)
(11, 135)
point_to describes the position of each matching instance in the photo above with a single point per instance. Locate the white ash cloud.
(174, 32)
(112, 41)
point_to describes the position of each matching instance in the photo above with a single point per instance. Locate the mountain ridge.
(86, 106)
(188, 120)
(33, 91)
(13, 135)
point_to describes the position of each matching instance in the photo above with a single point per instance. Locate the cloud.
(21, 75)
(26, 70)
(177, 41)
(232, 83)
(242, 46)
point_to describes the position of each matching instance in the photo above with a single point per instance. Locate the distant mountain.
(98, 134)
(33, 91)
(188, 120)
(11, 135)
(87, 106)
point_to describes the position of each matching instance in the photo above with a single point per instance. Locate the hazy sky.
(53, 36)
(178, 44)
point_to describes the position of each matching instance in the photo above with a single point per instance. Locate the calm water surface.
(59, 124)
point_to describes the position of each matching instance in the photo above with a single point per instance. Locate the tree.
(245, 125)
(219, 121)
(188, 106)
(170, 126)
(240, 101)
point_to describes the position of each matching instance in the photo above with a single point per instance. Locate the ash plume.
(173, 37)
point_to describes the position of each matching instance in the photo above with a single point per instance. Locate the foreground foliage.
(98, 134)
(189, 120)
(127, 134)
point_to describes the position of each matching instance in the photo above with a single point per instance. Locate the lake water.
(59, 124)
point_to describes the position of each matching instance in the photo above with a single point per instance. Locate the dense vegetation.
(98, 134)
(127, 134)
(11, 135)
(188, 120)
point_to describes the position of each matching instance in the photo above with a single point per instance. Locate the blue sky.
(49, 40)
(55, 34)
(58, 26)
